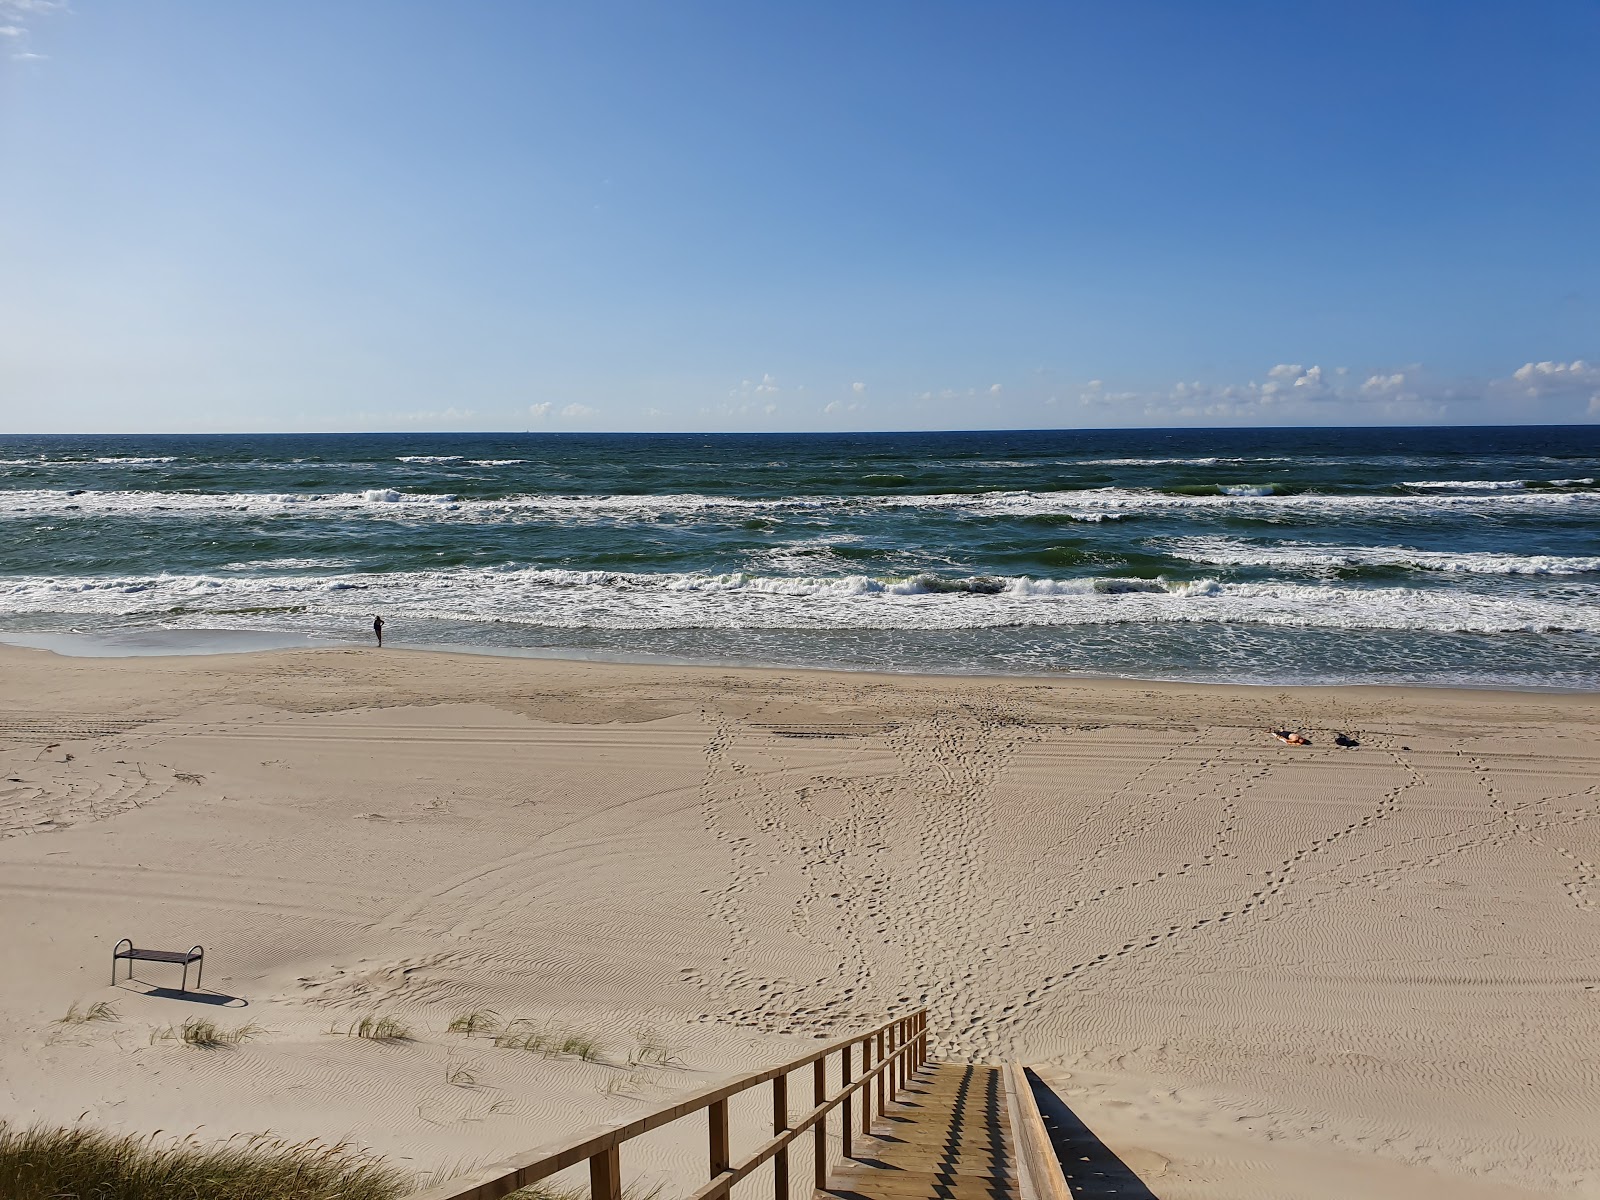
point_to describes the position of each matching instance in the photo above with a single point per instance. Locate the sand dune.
(1253, 970)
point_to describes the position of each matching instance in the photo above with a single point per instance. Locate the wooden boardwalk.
(948, 1136)
(910, 1129)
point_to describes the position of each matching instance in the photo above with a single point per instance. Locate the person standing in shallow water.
(377, 628)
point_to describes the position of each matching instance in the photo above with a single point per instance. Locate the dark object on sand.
(1290, 737)
(377, 628)
(1344, 739)
(126, 949)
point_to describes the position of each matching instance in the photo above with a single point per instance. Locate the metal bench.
(195, 954)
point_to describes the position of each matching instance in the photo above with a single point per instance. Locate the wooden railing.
(888, 1056)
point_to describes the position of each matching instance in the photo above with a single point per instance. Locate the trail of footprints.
(927, 895)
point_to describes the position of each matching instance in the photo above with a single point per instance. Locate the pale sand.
(1254, 970)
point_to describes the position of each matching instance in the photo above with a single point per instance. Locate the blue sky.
(389, 215)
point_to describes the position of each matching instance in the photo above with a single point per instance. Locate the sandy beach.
(1252, 969)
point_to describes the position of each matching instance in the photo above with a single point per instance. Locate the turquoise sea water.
(1458, 556)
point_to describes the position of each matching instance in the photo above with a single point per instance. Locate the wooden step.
(948, 1137)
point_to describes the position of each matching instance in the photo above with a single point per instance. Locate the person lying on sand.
(1291, 738)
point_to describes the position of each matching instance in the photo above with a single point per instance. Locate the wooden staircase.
(909, 1128)
(947, 1137)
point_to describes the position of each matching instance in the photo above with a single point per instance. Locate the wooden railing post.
(844, 1107)
(866, 1090)
(819, 1093)
(883, 1077)
(717, 1112)
(780, 1124)
(605, 1175)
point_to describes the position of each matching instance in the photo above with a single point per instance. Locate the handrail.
(901, 1049)
(1039, 1170)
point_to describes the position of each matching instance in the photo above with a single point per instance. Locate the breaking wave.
(579, 599)
(1091, 504)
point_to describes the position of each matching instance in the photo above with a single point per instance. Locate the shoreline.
(183, 644)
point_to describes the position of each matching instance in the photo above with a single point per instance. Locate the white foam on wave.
(1208, 461)
(562, 599)
(1301, 556)
(1467, 485)
(136, 462)
(289, 564)
(430, 458)
(1092, 504)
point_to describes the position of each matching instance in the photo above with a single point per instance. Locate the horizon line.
(810, 432)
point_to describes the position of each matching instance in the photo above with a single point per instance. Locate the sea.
(1461, 557)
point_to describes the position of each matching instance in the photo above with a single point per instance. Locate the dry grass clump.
(43, 1163)
(480, 1022)
(550, 1040)
(652, 1049)
(208, 1035)
(376, 1028)
(100, 1010)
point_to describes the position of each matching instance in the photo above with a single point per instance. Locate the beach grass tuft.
(550, 1040)
(79, 1163)
(375, 1027)
(480, 1022)
(100, 1010)
(652, 1049)
(208, 1035)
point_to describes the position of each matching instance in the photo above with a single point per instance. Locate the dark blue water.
(1468, 556)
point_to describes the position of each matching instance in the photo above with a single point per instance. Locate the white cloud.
(994, 389)
(1554, 384)
(446, 416)
(1289, 378)
(1544, 377)
(16, 14)
(571, 412)
(858, 388)
(1289, 393)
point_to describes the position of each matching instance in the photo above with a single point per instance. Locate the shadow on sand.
(1093, 1172)
(218, 999)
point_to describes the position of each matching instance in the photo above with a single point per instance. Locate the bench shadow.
(218, 999)
(1091, 1167)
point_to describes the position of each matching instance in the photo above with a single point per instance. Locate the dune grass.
(480, 1022)
(377, 1028)
(550, 1040)
(207, 1035)
(100, 1010)
(78, 1163)
(652, 1049)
